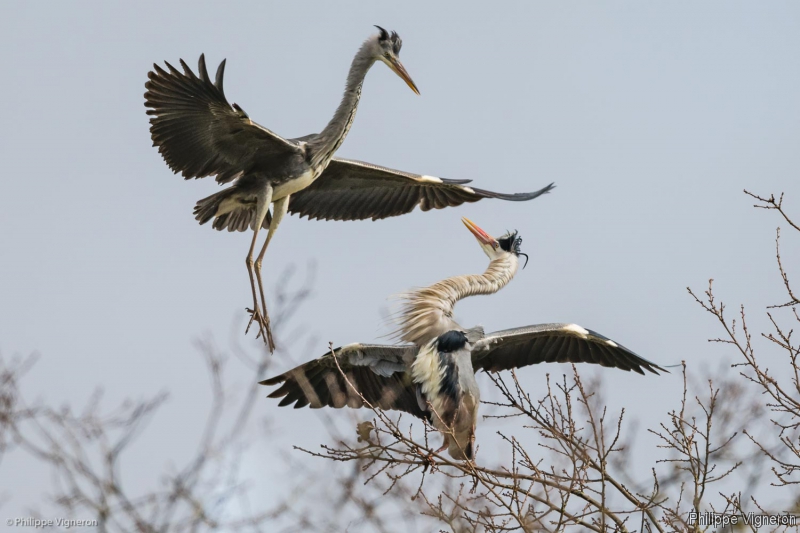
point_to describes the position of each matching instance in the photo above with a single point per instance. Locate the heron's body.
(434, 377)
(199, 133)
(282, 190)
(443, 368)
(446, 384)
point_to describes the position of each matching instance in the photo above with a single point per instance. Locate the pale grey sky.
(650, 118)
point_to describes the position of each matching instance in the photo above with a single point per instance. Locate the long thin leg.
(262, 206)
(255, 313)
(278, 212)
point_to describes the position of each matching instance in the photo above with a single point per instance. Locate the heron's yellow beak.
(400, 70)
(482, 236)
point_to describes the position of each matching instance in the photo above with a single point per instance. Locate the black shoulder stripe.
(451, 341)
(449, 386)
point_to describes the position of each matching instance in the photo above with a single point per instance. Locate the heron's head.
(386, 48)
(496, 248)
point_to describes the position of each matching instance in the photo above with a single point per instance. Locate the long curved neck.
(428, 312)
(323, 146)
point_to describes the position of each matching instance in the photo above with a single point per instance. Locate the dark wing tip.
(654, 368)
(172, 70)
(634, 361)
(523, 196)
(186, 70)
(515, 197)
(241, 112)
(286, 401)
(273, 381)
(201, 69)
(220, 75)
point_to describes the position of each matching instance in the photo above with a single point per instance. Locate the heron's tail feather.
(229, 210)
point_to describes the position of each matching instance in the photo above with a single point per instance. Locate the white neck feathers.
(426, 313)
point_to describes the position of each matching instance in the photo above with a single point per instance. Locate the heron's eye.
(386, 55)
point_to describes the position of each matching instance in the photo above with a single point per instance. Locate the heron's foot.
(443, 448)
(255, 315)
(264, 329)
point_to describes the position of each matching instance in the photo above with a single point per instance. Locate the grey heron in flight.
(200, 134)
(433, 378)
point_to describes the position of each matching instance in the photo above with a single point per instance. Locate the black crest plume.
(384, 34)
(397, 42)
(511, 243)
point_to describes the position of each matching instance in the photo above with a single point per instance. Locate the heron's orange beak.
(400, 70)
(482, 236)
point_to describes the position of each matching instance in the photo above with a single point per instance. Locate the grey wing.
(554, 343)
(200, 134)
(353, 190)
(379, 373)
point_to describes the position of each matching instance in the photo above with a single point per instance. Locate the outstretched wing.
(353, 190)
(200, 134)
(378, 373)
(554, 343)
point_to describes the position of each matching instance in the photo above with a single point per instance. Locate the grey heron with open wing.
(199, 133)
(434, 377)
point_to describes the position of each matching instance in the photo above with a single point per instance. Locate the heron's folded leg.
(262, 207)
(472, 443)
(444, 446)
